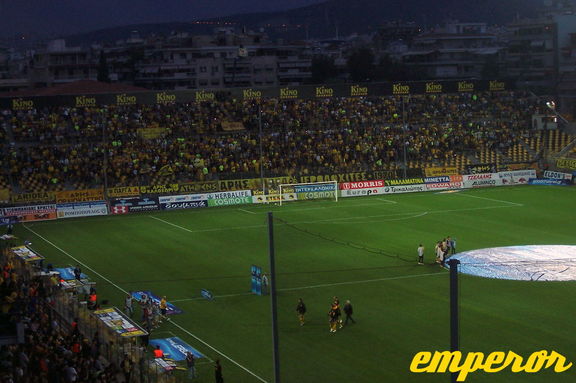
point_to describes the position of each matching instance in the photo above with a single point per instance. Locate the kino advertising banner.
(82, 209)
(273, 198)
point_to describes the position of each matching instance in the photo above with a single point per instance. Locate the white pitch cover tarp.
(81, 209)
(517, 176)
(481, 180)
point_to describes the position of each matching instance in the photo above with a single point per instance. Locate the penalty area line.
(126, 292)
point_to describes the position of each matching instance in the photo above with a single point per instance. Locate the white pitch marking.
(169, 321)
(387, 200)
(330, 221)
(247, 211)
(490, 199)
(318, 286)
(75, 259)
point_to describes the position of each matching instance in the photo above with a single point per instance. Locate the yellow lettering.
(493, 358)
(516, 361)
(560, 367)
(473, 362)
(420, 358)
(442, 360)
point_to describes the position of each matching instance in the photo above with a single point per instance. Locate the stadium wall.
(281, 93)
(133, 204)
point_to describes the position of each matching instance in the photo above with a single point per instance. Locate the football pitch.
(361, 249)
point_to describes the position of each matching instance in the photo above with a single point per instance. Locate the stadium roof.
(76, 87)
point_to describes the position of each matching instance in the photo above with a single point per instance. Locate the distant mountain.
(341, 17)
(346, 17)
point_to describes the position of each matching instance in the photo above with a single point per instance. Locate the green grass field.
(362, 249)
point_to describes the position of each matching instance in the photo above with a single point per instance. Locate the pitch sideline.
(126, 292)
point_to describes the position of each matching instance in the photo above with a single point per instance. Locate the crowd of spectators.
(192, 142)
(53, 351)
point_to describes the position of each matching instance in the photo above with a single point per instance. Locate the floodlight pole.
(275, 348)
(261, 150)
(454, 314)
(404, 142)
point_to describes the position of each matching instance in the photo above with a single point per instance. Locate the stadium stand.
(57, 148)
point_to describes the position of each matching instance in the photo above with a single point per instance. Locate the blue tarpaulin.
(175, 348)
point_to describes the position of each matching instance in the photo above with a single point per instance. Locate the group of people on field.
(334, 314)
(442, 250)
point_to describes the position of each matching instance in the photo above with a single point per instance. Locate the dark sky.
(56, 17)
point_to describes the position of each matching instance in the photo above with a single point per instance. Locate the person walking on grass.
(191, 364)
(218, 372)
(348, 310)
(301, 310)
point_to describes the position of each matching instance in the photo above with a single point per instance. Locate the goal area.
(309, 191)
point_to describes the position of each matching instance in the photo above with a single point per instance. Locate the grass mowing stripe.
(414, 214)
(219, 352)
(126, 292)
(75, 259)
(318, 286)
